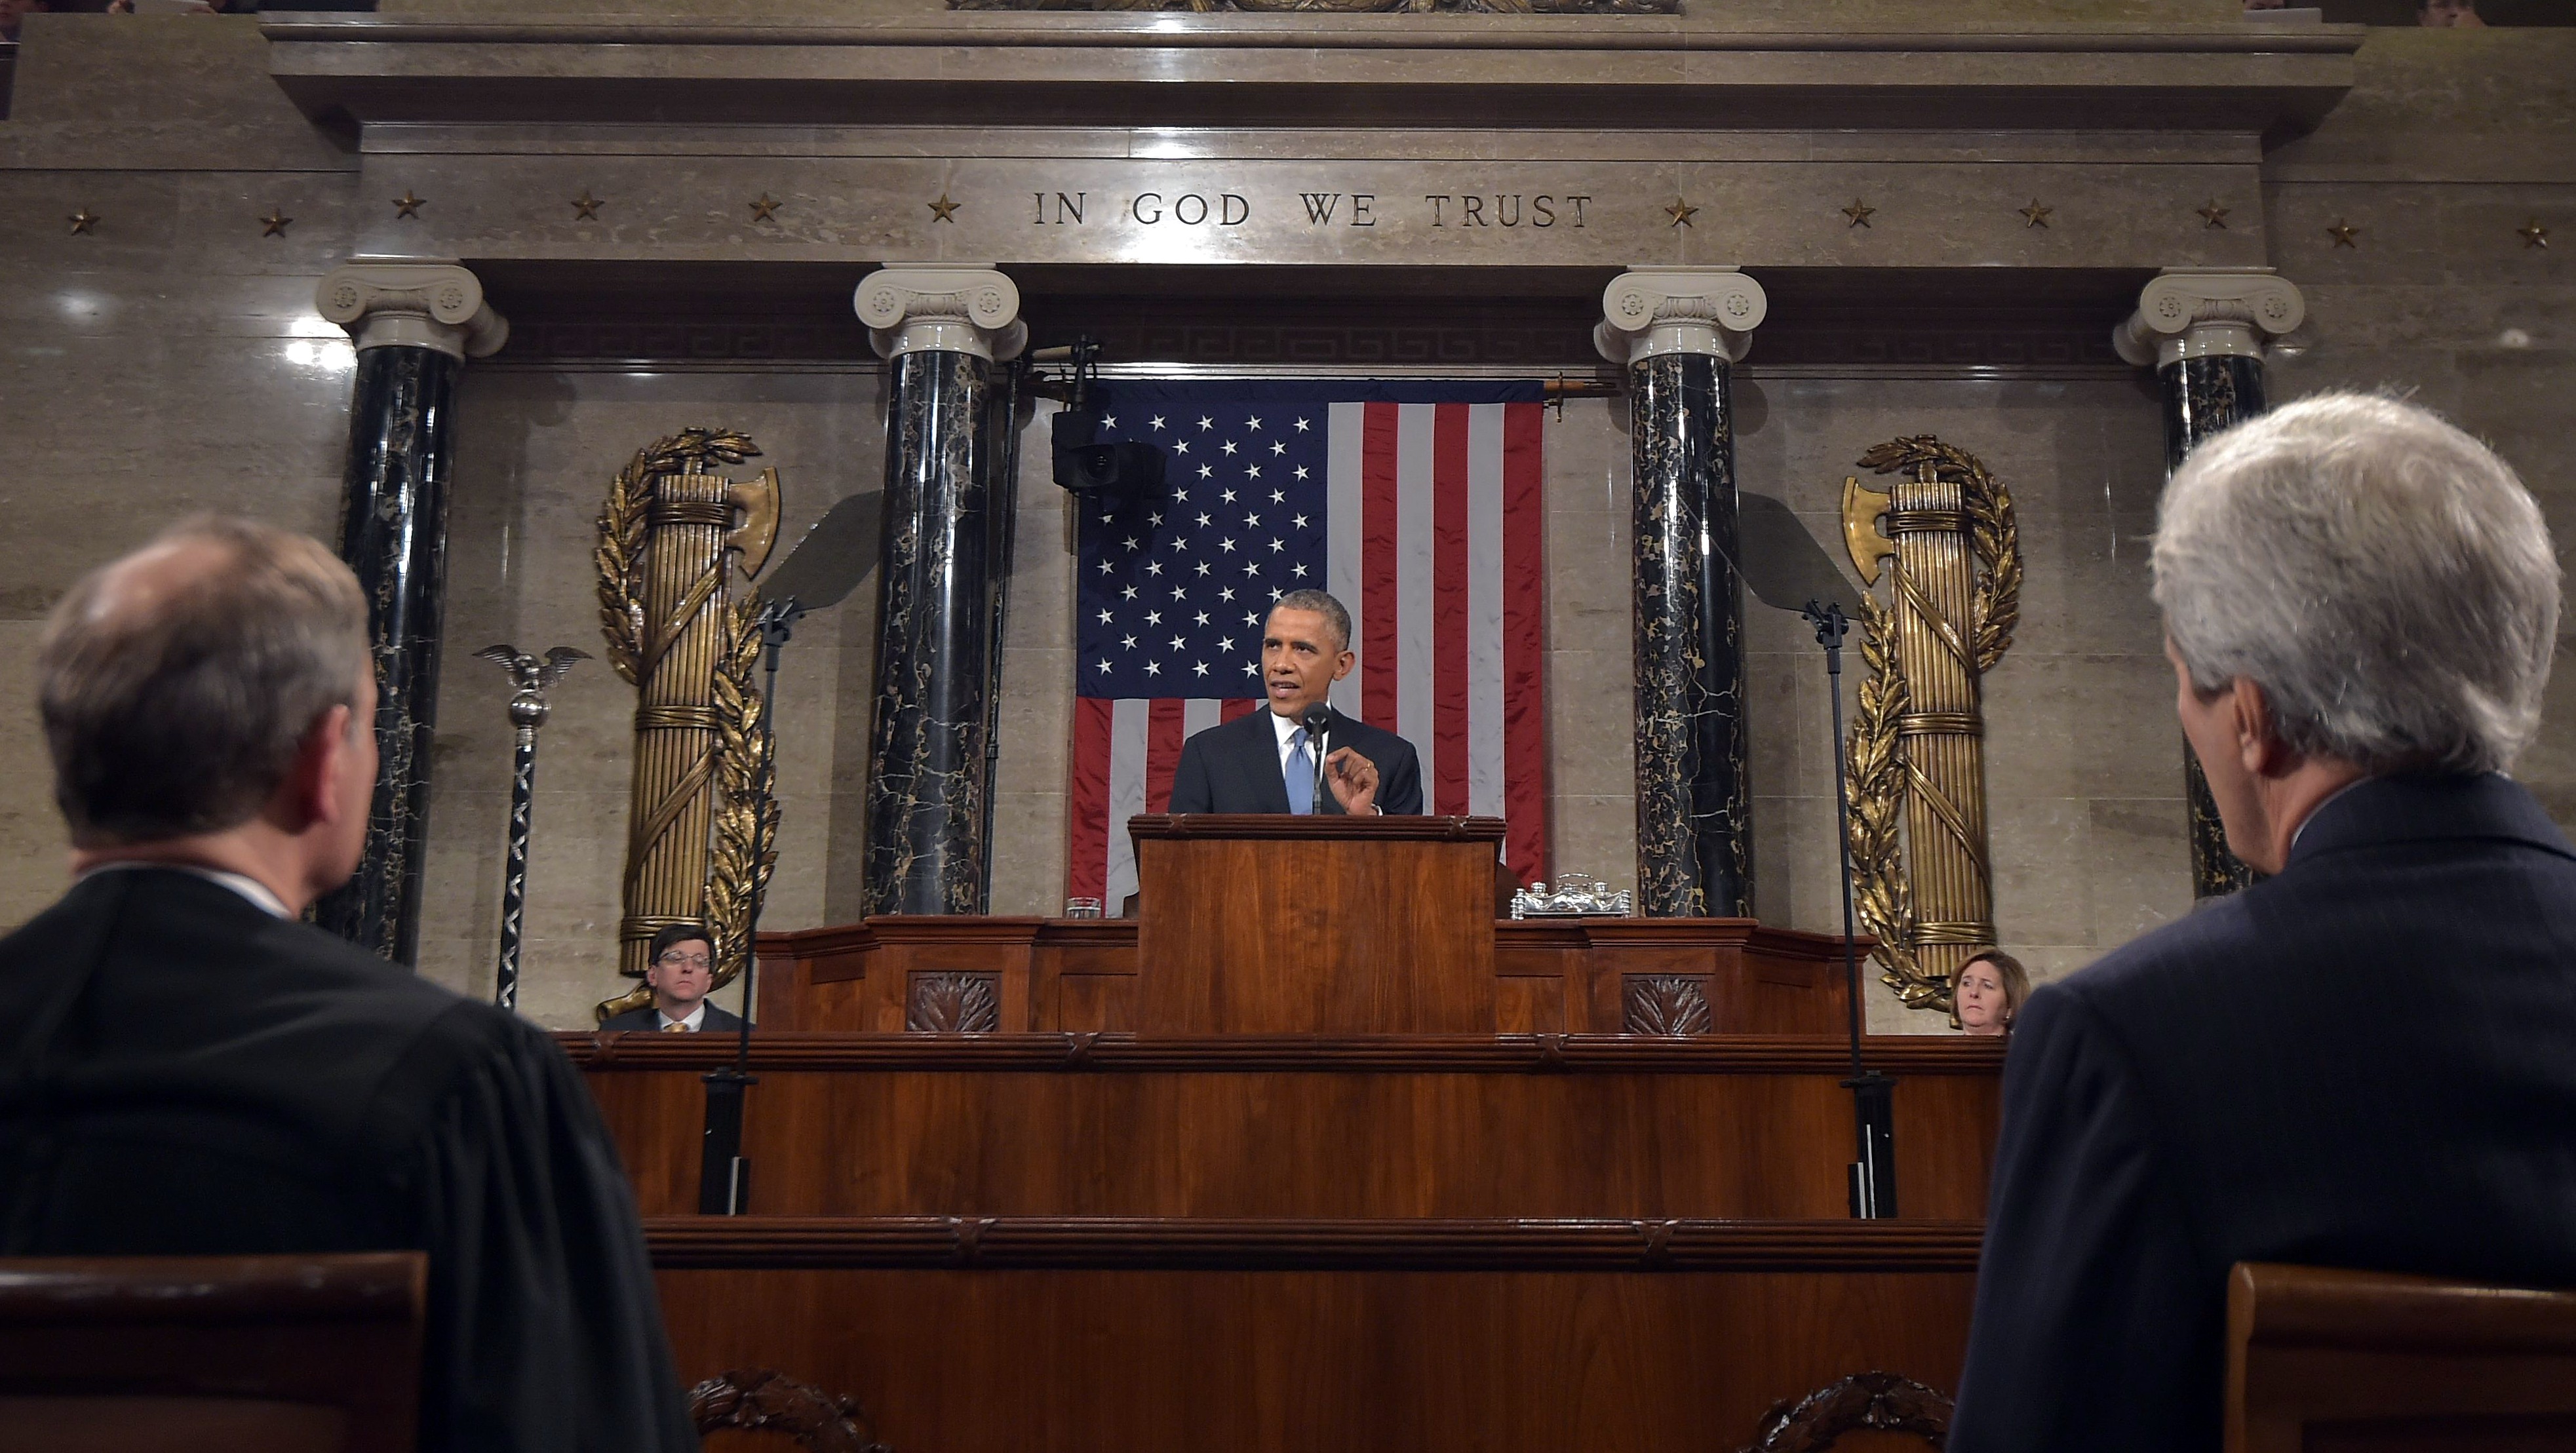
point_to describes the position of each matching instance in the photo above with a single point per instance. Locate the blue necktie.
(1301, 774)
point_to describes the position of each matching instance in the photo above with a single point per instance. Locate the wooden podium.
(1257, 923)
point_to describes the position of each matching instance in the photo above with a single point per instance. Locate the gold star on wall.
(943, 210)
(275, 223)
(82, 220)
(1859, 212)
(2533, 234)
(408, 205)
(1681, 212)
(2214, 215)
(2036, 215)
(2343, 234)
(585, 208)
(762, 206)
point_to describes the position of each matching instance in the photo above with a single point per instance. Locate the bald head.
(177, 683)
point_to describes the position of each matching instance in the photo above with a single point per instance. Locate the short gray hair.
(180, 713)
(2384, 578)
(1321, 604)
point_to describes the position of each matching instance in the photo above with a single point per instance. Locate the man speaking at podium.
(1265, 762)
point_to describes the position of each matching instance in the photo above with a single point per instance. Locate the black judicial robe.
(2368, 1061)
(182, 1074)
(1235, 768)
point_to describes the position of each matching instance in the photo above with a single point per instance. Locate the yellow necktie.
(675, 1027)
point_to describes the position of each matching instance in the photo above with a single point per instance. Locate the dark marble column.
(929, 774)
(1678, 332)
(413, 326)
(2204, 331)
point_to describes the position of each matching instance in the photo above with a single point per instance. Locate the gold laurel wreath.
(1880, 895)
(737, 868)
(745, 844)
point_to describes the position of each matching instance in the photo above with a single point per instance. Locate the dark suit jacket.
(182, 1074)
(1235, 768)
(718, 1021)
(2368, 1061)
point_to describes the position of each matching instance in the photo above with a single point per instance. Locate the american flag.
(1420, 506)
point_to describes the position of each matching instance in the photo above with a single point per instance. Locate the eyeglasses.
(685, 961)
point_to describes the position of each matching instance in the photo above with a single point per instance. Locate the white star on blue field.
(1174, 588)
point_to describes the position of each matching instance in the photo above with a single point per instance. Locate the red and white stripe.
(1436, 544)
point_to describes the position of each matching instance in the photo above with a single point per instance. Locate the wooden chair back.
(2327, 1361)
(281, 1354)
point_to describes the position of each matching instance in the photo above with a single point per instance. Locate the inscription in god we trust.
(1442, 210)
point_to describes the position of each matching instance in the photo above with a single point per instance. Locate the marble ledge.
(1218, 143)
(1739, 28)
(1167, 70)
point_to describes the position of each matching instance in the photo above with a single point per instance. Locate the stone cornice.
(1304, 30)
(1473, 70)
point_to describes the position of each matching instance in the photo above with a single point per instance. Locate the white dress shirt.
(1287, 728)
(250, 888)
(695, 1021)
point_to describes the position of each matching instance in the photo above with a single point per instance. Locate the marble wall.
(2083, 761)
(536, 448)
(2085, 774)
(168, 359)
(164, 361)
(2452, 144)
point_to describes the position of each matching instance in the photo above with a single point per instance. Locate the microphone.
(1318, 721)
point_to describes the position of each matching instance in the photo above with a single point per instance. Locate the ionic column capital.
(913, 309)
(2196, 312)
(1648, 311)
(412, 304)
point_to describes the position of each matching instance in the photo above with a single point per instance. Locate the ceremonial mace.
(1788, 570)
(527, 713)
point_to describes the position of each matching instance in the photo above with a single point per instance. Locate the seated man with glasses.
(680, 972)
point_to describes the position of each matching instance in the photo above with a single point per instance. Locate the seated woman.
(1989, 991)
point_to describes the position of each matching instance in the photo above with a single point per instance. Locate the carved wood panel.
(761, 1400)
(950, 1002)
(1674, 1005)
(1876, 1401)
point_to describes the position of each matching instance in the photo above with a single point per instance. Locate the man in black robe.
(188, 1070)
(2367, 1060)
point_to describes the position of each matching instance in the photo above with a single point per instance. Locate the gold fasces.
(1861, 535)
(1921, 879)
(669, 538)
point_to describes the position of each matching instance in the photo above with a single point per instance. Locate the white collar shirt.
(1287, 729)
(249, 888)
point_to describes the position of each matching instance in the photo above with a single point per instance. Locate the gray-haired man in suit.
(2367, 1060)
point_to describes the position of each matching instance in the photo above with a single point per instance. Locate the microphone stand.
(724, 1172)
(1319, 726)
(1873, 1176)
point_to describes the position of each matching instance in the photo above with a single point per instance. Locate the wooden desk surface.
(1116, 1125)
(1019, 1335)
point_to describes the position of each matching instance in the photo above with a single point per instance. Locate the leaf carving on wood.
(953, 1003)
(1673, 1005)
(762, 1400)
(1875, 1401)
